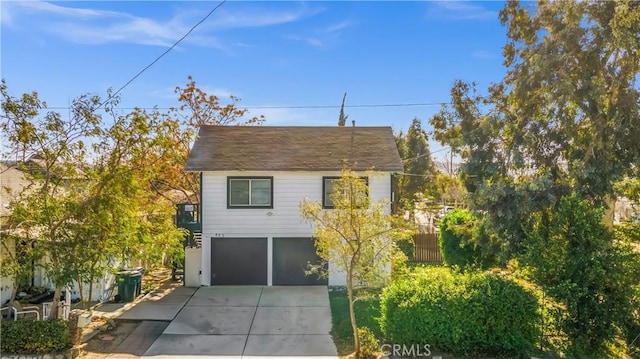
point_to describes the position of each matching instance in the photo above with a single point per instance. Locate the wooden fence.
(427, 249)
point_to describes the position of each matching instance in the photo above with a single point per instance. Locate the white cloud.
(259, 17)
(306, 39)
(338, 26)
(90, 26)
(460, 10)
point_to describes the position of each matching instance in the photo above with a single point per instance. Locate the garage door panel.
(290, 260)
(239, 261)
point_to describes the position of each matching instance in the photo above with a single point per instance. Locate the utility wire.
(164, 53)
(276, 107)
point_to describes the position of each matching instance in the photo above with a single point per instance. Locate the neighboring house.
(253, 181)
(12, 181)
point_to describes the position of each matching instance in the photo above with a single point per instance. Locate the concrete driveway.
(240, 322)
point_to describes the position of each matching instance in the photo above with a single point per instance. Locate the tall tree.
(420, 171)
(356, 237)
(179, 130)
(342, 118)
(564, 118)
(563, 123)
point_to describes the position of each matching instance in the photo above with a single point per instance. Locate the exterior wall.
(283, 220)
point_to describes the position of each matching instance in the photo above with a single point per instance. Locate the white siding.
(283, 220)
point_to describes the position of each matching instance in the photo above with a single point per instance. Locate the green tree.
(579, 264)
(51, 151)
(356, 237)
(342, 118)
(179, 128)
(562, 119)
(420, 171)
(561, 123)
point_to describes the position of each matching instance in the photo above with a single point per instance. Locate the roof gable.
(279, 148)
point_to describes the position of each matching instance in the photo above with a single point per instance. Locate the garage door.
(238, 261)
(290, 258)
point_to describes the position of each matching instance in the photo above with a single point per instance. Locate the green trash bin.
(126, 286)
(136, 278)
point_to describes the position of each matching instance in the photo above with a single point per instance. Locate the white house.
(253, 182)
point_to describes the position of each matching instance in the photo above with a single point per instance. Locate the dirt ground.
(110, 333)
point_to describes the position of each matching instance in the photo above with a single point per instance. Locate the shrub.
(463, 313)
(408, 247)
(31, 336)
(456, 232)
(369, 344)
(593, 272)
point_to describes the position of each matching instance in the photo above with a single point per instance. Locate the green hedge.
(456, 232)
(465, 314)
(33, 337)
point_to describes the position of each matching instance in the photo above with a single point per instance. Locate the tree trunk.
(81, 291)
(91, 281)
(352, 314)
(56, 303)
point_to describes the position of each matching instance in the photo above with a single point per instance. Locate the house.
(253, 181)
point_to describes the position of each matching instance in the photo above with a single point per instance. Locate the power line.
(162, 55)
(279, 107)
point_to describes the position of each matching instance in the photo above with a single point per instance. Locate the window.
(252, 192)
(328, 184)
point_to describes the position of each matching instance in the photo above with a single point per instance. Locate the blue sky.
(280, 57)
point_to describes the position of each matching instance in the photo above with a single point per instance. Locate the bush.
(369, 345)
(471, 313)
(456, 232)
(408, 247)
(593, 272)
(33, 337)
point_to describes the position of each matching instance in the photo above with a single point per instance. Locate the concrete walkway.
(235, 322)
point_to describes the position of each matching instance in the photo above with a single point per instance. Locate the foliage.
(465, 242)
(464, 313)
(369, 344)
(419, 168)
(407, 246)
(563, 118)
(33, 337)
(97, 189)
(342, 118)
(356, 237)
(548, 143)
(593, 275)
(455, 240)
(367, 310)
(179, 131)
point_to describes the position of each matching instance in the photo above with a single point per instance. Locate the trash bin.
(136, 278)
(126, 286)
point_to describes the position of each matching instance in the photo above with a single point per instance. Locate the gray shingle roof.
(274, 148)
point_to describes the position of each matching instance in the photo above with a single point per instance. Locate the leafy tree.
(342, 118)
(563, 122)
(562, 119)
(356, 237)
(51, 150)
(576, 260)
(179, 130)
(420, 171)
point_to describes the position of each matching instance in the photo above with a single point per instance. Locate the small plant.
(369, 344)
(33, 337)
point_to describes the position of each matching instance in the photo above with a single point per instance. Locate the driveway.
(240, 322)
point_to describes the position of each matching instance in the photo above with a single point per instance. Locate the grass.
(367, 311)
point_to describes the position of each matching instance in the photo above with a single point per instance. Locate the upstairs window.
(329, 185)
(250, 192)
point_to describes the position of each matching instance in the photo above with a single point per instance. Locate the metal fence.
(427, 249)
